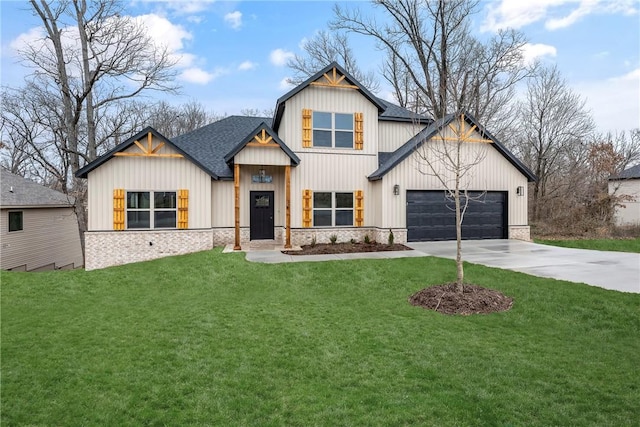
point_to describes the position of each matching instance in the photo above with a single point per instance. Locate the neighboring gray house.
(334, 159)
(39, 229)
(627, 185)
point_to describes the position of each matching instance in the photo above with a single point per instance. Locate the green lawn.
(210, 339)
(618, 245)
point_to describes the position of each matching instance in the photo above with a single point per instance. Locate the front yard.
(617, 245)
(210, 339)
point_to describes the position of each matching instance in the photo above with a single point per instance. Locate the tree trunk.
(459, 265)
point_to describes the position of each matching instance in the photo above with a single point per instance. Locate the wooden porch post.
(287, 193)
(236, 183)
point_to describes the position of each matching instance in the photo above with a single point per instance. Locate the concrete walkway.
(618, 271)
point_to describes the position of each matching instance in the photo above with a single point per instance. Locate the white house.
(335, 159)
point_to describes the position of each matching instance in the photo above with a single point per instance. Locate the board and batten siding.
(494, 173)
(330, 100)
(330, 169)
(49, 239)
(148, 174)
(262, 156)
(393, 135)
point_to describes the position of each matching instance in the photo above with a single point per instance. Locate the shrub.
(366, 239)
(390, 238)
(333, 239)
(353, 241)
(313, 242)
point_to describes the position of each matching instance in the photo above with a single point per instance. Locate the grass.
(210, 339)
(617, 245)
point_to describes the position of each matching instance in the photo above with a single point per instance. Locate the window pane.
(344, 139)
(164, 219)
(137, 219)
(15, 221)
(165, 200)
(321, 218)
(344, 217)
(321, 200)
(344, 200)
(322, 138)
(138, 200)
(321, 120)
(344, 121)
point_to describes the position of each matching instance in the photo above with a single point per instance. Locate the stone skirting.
(304, 236)
(520, 232)
(108, 248)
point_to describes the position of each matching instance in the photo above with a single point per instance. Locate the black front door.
(261, 215)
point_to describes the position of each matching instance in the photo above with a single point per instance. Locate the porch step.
(264, 245)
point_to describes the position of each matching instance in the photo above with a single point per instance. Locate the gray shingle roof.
(630, 173)
(211, 143)
(397, 113)
(427, 133)
(20, 192)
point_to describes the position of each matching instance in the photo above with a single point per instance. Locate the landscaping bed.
(346, 248)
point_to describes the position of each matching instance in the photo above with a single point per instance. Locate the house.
(627, 186)
(39, 227)
(334, 160)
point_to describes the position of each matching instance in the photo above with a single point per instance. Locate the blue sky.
(233, 54)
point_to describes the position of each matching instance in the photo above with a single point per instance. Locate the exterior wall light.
(396, 190)
(520, 190)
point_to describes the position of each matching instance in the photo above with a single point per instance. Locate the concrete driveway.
(618, 271)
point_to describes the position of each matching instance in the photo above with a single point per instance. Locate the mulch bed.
(473, 300)
(346, 248)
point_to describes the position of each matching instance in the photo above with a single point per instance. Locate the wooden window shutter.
(183, 209)
(118, 209)
(306, 128)
(359, 208)
(359, 130)
(306, 208)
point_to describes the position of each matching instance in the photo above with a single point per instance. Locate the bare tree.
(176, 120)
(92, 59)
(433, 58)
(325, 47)
(451, 157)
(555, 126)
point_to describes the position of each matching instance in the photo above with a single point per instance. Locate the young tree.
(451, 157)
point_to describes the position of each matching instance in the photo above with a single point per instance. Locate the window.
(142, 213)
(332, 209)
(332, 130)
(15, 221)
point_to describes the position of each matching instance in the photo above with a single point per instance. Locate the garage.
(431, 216)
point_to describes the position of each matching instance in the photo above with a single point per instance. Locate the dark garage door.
(431, 216)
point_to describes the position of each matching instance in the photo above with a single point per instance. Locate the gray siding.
(50, 239)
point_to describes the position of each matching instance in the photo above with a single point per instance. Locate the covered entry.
(431, 216)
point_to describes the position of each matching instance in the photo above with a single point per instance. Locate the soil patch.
(473, 300)
(346, 248)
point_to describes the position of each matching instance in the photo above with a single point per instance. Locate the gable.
(331, 76)
(147, 143)
(262, 146)
(453, 127)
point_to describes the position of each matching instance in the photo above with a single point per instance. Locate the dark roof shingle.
(20, 192)
(630, 173)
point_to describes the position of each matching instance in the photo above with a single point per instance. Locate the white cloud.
(518, 13)
(247, 65)
(183, 7)
(285, 84)
(199, 76)
(279, 57)
(164, 32)
(614, 102)
(533, 51)
(234, 19)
